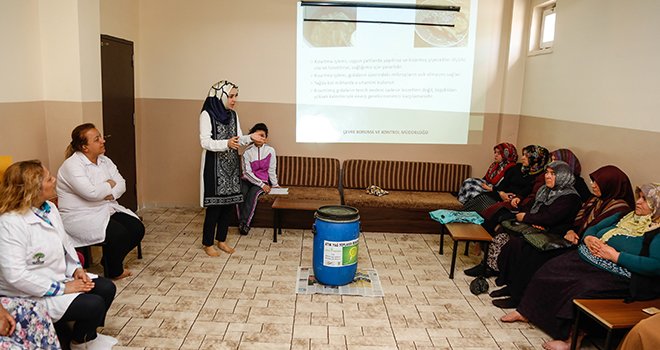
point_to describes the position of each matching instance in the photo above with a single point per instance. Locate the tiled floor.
(181, 298)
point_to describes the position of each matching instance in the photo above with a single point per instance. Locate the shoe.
(502, 292)
(491, 273)
(94, 344)
(475, 271)
(107, 339)
(243, 230)
(505, 303)
(210, 251)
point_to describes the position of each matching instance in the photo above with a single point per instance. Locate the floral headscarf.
(216, 100)
(509, 158)
(566, 155)
(538, 157)
(564, 180)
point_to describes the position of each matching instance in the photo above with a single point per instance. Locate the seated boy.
(259, 175)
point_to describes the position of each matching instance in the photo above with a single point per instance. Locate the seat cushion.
(302, 192)
(402, 199)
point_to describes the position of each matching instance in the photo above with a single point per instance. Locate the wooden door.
(119, 111)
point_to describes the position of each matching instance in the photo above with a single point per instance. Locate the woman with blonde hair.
(38, 260)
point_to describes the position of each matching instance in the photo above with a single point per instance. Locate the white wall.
(604, 68)
(20, 61)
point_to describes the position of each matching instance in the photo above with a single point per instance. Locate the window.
(542, 31)
(547, 28)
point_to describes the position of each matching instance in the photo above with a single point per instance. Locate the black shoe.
(505, 303)
(243, 230)
(502, 292)
(475, 271)
(490, 272)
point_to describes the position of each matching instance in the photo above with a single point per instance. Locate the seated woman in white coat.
(88, 186)
(38, 260)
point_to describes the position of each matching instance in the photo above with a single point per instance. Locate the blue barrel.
(336, 234)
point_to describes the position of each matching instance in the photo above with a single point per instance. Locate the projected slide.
(408, 80)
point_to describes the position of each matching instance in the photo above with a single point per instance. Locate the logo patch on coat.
(38, 259)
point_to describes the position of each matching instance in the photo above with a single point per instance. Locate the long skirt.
(517, 263)
(494, 249)
(548, 300)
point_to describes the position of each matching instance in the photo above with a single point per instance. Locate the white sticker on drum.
(340, 254)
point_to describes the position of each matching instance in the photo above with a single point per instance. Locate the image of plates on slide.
(435, 36)
(329, 34)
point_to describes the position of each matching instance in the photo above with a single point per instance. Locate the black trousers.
(216, 221)
(122, 235)
(87, 311)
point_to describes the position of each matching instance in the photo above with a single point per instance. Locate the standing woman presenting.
(88, 186)
(220, 136)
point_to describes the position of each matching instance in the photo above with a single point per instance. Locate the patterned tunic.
(222, 170)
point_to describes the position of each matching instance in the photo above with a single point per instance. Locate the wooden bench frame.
(463, 232)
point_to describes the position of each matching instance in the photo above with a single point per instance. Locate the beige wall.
(596, 90)
(187, 46)
(633, 151)
(51, 75)
(597, 93)
(604, 66)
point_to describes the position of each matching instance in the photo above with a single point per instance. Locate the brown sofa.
(415, 189)
(306, 178)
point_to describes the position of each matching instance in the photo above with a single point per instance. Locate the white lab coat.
(81, 189)
(35, 254)
(209, 144)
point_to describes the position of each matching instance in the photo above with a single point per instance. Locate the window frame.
(538, 22)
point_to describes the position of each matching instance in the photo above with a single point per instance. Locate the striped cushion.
(404, 176)
(307, 171)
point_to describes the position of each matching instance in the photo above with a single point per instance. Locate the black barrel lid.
(337, 213)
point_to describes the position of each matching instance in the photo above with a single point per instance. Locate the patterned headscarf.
(652, 194)
(538, 157)
(564, 180)
(566, 155)
(497, 169)
(616, 196)
(637, 225)
(215, 103)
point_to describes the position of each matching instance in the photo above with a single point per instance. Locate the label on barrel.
(340, 253)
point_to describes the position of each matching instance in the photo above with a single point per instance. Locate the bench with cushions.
(306, 178)
(415, 189)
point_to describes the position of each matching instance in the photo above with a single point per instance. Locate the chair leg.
(467, 248)
(442, 239)
(139, 252)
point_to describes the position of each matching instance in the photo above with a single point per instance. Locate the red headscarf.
(509, 158)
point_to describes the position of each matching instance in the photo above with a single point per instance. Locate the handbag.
(538, 238)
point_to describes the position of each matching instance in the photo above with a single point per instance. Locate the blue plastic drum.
(336, 235)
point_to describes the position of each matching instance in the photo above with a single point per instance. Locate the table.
(282, 203)
(463, 232)
(613, 314)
